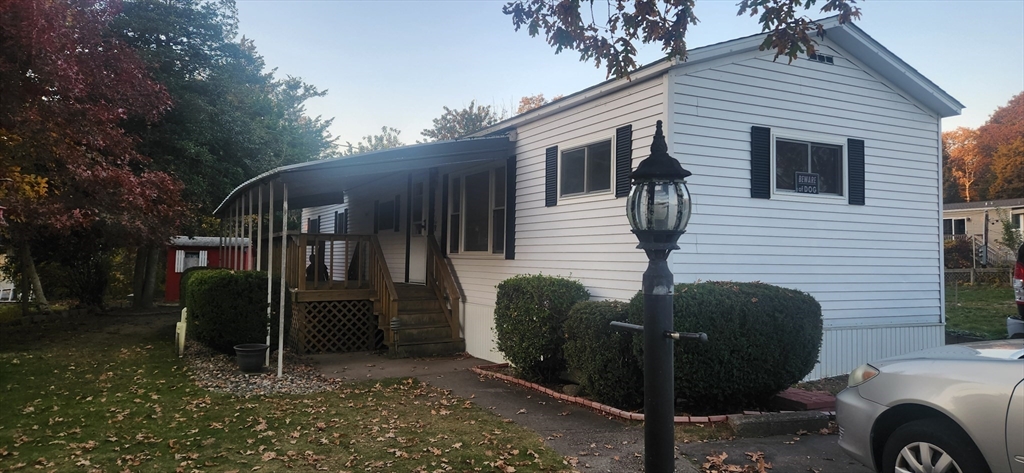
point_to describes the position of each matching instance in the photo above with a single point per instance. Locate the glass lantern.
(658, 207)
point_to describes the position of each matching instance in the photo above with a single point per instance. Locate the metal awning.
(322, 182)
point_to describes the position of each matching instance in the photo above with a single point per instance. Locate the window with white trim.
(809, 167)
(954, 226)
(586, 170)
(187, 259)
(476, 218)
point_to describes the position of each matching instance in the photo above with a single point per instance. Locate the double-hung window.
(954, 226)
(808, 167)
(586, 170)
(477, 212)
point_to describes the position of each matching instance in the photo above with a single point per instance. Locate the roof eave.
(891, 67)
(383, 158)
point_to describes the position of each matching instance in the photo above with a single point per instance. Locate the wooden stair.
(422, 327)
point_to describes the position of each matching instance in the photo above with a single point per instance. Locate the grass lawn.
(90, 396)
(979, 310)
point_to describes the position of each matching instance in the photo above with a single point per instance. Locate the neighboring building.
(982, 223)
(544, 192)
(185, 252)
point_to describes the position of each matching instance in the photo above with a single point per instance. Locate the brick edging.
(486, 370)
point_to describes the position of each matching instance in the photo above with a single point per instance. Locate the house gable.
(869, 254)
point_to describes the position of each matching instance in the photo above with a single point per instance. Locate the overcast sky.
(397, 63)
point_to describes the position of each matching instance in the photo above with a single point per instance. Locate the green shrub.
(529, 314)
(183, 283)
(761, 340)
(227, 308)
(603, 359)
(958, 254)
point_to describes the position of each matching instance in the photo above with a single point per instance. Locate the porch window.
(477, 214)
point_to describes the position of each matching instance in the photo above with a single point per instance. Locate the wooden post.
(284, 258)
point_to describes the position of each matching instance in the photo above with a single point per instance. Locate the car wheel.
(931, 446)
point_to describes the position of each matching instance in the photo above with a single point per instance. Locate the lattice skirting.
(333, 326)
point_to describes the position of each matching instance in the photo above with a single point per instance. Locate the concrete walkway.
(591, 441)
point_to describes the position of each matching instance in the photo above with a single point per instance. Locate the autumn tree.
(454, 124)
(531, 102)
(1000, 140)
(68, 86)
(1008, 168)
(388, 138)
(966, 164)
(607, 34)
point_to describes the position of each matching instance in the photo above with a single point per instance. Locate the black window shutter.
(344, 222)
(623, 159)
(398, 211)
(337, 222)
(510, 208)
(760, 162)
(551, 176)
(855, 158)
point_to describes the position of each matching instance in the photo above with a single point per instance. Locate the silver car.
(957, 408)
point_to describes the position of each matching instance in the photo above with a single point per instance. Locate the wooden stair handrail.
(442, 280)
(387, 295)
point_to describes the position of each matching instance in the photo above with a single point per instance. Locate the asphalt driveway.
(591, 441)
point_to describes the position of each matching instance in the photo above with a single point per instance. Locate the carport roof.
(323, 182)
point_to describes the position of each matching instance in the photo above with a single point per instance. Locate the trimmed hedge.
(602, 357)
(227, 308)
(529, 315)
(183, 282)
(761, 340)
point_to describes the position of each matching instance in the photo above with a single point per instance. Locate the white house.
(544, 192)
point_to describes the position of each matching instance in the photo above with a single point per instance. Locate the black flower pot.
(250, 356)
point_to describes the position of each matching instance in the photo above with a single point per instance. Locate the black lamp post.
(658, 210)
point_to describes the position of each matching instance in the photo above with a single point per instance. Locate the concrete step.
(436, 348)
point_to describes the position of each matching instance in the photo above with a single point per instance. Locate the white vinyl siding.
(877, 264)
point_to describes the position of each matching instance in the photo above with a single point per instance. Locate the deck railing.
(340, 261)
(441, 279)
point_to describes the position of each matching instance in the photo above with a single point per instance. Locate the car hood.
(1010, 349)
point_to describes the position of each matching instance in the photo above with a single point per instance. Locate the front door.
(418, 231)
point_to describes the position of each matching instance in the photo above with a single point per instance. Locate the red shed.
(185, 252)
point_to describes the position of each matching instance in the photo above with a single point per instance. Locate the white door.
(418, 240)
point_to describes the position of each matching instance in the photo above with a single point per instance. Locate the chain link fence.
(994, 276)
